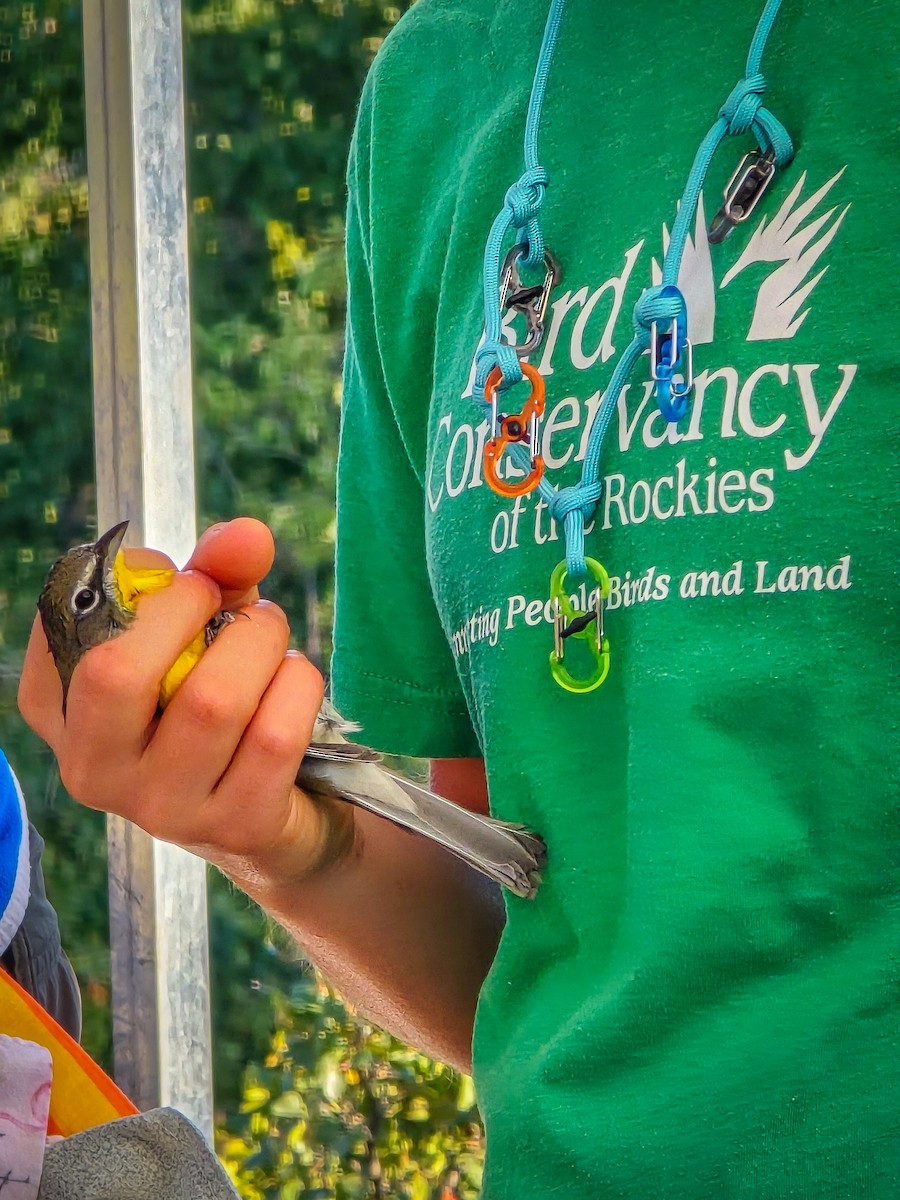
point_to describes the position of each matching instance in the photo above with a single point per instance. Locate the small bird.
(90, 595)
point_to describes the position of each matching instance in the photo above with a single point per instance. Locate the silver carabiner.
(744, 191)
(664, 369)
(533, 301)
(577, 625)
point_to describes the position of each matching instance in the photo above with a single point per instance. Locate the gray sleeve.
(158, 1155)
(35, 957)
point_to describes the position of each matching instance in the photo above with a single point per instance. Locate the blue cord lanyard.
(659, 320)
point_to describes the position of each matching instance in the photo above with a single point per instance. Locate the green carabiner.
(569, 622)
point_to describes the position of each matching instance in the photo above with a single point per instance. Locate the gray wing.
(344, 752)
(508, 854)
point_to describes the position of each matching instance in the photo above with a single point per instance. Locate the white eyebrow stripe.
(85, 580)
(87, 575)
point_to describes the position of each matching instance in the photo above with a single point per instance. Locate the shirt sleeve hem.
(399, 717)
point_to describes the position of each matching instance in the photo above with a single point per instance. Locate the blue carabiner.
(672, 360)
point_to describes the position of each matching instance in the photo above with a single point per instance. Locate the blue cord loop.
(520, 212)
(660, 315)
(497, 353)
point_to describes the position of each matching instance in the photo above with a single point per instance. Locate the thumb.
(237, 554)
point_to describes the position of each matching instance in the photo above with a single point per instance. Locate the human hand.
(215, 772)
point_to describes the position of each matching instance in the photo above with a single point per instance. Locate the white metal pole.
(145, 472)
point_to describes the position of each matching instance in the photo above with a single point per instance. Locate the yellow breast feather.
(133, 582)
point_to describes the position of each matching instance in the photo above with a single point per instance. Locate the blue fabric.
(14, 866)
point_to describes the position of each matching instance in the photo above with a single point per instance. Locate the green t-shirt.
(702, 1000)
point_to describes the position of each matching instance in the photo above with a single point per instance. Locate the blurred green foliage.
(340, 1109)
(329, 1107)
(46, 452)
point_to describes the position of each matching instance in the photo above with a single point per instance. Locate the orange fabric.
(82, 1095)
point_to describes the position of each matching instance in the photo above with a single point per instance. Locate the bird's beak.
(107, 546)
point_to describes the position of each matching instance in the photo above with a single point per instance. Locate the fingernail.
(212, 532)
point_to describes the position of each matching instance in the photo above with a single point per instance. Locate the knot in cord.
(744, 110)
(526, 196)
(652, 306)
(523, 201)
(741, 107)
(581, 498)
(573, 507)
(500, 354)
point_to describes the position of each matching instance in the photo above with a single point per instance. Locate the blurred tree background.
(311, 1101)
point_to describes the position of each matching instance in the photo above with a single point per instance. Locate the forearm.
(402, 929)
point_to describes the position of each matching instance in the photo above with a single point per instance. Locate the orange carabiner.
(517, 427)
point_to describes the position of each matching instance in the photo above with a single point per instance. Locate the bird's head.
(82, 603)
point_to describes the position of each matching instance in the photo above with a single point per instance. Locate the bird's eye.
(84, 600)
